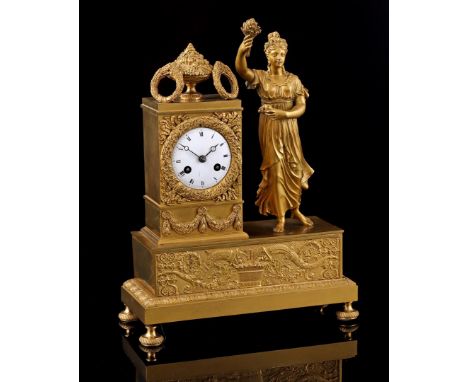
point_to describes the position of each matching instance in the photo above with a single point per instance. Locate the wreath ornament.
(171, 71)
(220, 69)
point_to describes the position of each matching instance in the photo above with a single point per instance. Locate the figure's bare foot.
(296, 214)
(279, 225)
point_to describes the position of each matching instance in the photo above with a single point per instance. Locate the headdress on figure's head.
(275, 41)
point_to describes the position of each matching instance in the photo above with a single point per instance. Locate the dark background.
(339, 49)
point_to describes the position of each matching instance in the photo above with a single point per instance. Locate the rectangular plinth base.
(149, 309)
(268, 271)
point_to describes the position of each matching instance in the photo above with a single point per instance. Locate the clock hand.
(186, 148)
(212, 149)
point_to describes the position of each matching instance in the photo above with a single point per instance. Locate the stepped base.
(269, 271)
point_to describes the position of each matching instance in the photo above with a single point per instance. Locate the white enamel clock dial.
(201, 158)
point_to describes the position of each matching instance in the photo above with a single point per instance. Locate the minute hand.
(212, 148)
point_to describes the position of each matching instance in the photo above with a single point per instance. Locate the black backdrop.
(339, 49)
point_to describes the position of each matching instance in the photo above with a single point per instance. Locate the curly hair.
(274, 42)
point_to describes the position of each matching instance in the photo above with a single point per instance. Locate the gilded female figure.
(285, 172)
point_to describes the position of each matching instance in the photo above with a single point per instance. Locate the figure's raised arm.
(241, 59)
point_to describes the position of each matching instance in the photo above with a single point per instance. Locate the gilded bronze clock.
(193, 259)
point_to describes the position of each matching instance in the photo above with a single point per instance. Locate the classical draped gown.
(285, 172)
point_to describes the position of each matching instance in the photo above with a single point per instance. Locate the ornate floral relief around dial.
(168, 123)
(180, 273)
(231, 193)
(169, 194)
(233, 119)
(170, 185)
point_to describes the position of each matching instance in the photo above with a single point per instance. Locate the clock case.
(174, 213)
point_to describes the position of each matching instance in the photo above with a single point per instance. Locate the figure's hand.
(273, 113)
(276, 114)
(245, 45)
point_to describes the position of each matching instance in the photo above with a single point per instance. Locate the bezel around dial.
(232, 173)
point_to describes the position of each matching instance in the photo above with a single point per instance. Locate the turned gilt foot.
(127, 315)
(348, 313)
(151, 337)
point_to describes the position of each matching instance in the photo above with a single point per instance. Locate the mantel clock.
(196, 257)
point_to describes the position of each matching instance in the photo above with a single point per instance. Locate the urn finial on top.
(195, 69)
(189, 69)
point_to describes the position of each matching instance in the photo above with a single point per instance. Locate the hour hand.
(186, 148)
(212, 148)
